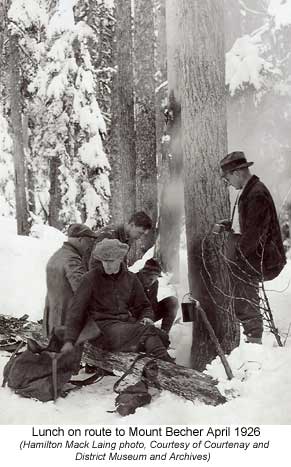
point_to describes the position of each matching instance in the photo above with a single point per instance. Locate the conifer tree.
(73, 125)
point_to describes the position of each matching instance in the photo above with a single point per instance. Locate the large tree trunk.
(122, 135)
(171, 200)
(204, 144)
(29, 169)
(145, 116)
(16, 120)
(183, 382)
(55, 201)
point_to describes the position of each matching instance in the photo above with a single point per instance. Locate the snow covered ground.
(258, 394)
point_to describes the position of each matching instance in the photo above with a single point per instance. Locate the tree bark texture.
(55, 191)
(23, 226)
(204, 141)
(161, 73)
(29, 170)
(183, 382)
(171, 198)
(122, 135)
(145, 116)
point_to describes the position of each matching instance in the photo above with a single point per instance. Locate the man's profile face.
(135, 232)
(233, 179)
(111, 267)
(149, 278)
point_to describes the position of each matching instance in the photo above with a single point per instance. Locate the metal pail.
(189, 309)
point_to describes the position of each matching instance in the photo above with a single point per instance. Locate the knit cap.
(110, 250)
(152, 265)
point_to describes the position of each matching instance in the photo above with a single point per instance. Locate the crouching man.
(111, 296)
(166, 309)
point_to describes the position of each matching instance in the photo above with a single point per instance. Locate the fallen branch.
(184, 382)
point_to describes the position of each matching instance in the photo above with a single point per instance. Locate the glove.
(224, 225)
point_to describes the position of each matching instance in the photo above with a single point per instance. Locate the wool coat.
(260, 247)
(64, 272)
(111, 300)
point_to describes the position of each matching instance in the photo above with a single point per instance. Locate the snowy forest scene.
(145, 212)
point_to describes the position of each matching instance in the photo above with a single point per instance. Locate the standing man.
(258, 252)
(138, 225)
(166, 309)
(64, 272)
(111, 296)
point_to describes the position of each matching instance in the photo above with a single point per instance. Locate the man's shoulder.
(131, 276)
(92, 275)
(261, 192)
(257, 189)
(63, 253)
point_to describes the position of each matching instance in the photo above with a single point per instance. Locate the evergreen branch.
(27, 55)
(17, 25)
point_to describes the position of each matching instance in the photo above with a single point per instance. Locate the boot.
(154, 347)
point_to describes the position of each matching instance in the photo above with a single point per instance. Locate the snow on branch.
(245, 64)
(26, 13)
(280, 11)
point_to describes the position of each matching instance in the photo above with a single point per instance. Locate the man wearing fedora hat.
(258, 252)
(112, 296)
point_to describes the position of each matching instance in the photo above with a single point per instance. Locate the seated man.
(108, 294)
(166, 309)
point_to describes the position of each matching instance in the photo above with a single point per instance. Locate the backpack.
(39, 372)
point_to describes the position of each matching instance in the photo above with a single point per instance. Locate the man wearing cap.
(166, 309)
(64, 271)
(258, 251)
(138, 225)
(111, 296)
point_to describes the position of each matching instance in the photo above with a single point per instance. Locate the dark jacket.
(151, 292)
(104, 297)
(64, 271)
(260, 245)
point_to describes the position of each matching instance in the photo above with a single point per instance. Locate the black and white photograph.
(145, 213)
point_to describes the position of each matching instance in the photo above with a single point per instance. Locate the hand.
(146, 321)
(67, 347)
(224, 225)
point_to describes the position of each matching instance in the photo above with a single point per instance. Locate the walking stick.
(214, 339)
